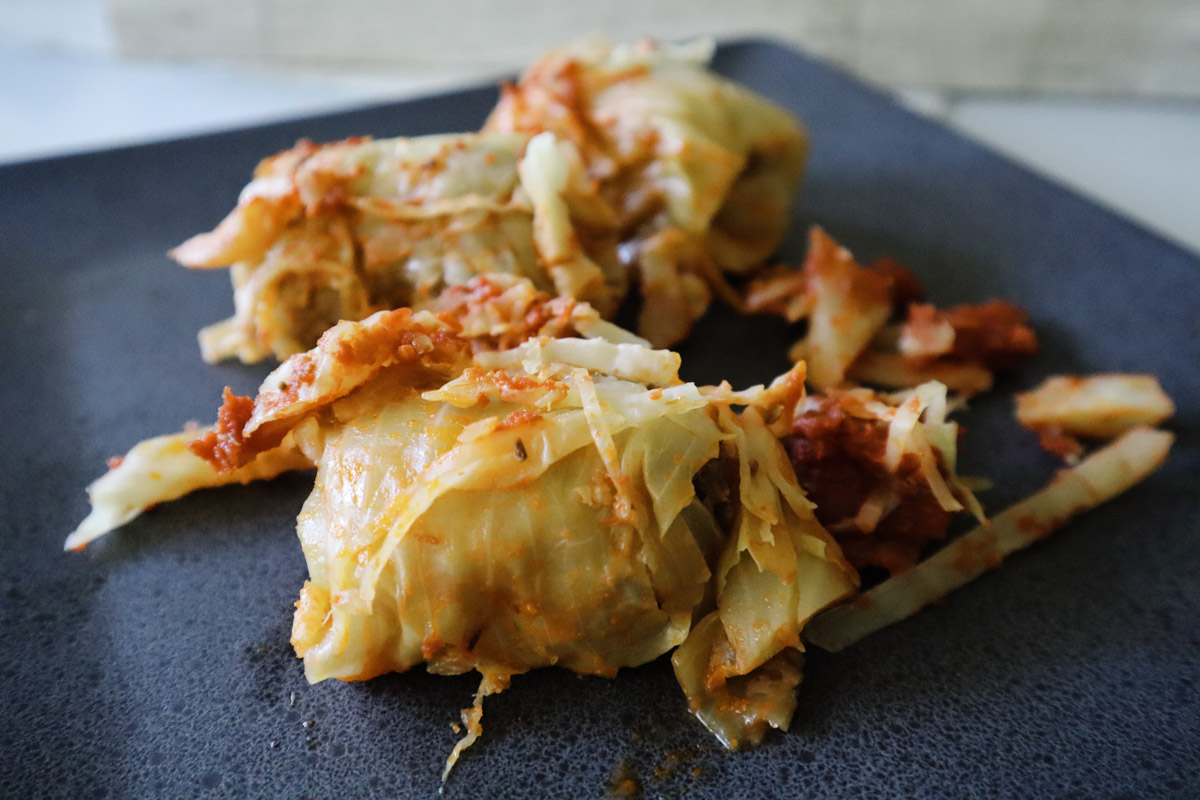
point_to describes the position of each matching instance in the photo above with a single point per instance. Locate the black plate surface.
(157, 662)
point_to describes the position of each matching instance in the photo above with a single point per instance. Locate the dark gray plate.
(157, 662)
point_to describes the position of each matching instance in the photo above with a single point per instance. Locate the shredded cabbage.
(779, 568)
(626, 360)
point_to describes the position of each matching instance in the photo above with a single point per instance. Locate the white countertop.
(64, 91)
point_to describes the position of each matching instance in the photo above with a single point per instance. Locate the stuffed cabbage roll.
(333, 232)
(602, 162)
(569, 501)
(701, 171)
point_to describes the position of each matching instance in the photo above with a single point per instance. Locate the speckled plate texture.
(157, 664)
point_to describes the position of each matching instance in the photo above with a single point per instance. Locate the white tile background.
(62, 89)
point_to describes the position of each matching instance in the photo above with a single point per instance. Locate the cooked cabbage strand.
(1098, 478)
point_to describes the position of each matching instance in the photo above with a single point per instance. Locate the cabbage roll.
(600, 164)
(566, 502)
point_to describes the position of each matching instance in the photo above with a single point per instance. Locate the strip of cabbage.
(1098, 478)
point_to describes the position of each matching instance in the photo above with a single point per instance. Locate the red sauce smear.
(223, 446)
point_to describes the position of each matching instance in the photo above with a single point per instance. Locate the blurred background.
(1103, 95)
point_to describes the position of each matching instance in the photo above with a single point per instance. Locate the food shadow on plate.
(545, 730)
(212, 525)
